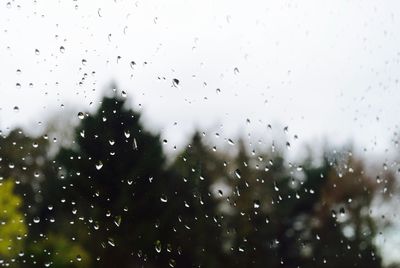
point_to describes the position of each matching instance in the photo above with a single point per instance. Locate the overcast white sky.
(322, 68)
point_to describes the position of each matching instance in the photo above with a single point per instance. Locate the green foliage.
(12, 224)
(58, 251)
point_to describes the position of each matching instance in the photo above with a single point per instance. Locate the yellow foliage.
(12, 224)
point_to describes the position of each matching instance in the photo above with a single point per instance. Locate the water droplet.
(117, 221)
(286, 129)
(171, 263)
(36, 219)
(158, 246)
(164, 199)
(237, 173)
(256, 204)
(236, 71)
(175, 82)
(37, 52)
(111, 242)
(62, 49)
(81, 115)
(99, 165)
(342, 211)
(299, 168)
(16, 109)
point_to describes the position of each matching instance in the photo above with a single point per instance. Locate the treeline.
(112, 199)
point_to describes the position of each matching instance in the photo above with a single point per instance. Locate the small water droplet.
(172, 263)
(81, 115)
(164, 199)
(175, 82)
(117, 221)
(99, 165)
(62, 49)
(256, 204)
(237, 173)
(158, 246)
(342, 211)
(288, 145)
(299, 168)
(286, 129)
(111, 242)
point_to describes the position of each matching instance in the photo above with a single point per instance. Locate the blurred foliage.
(111, 198)
(58, 251)
(12, 225)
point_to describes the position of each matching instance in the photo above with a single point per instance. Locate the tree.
(200, 236)
(110, 186)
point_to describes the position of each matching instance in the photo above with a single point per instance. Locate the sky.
(326, 70)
